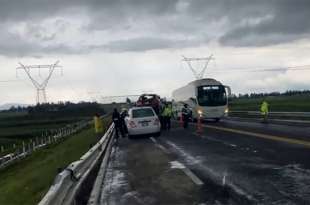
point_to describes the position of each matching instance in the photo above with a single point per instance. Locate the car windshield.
(139, 113)
(214, 95)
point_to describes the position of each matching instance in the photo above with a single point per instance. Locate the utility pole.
(198, 75)
(40, 86)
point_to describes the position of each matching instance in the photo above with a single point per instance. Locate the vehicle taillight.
(132, 124)
(156, 121)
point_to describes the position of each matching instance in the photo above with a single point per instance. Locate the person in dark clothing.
(117, 122)
(124, 114)
(185, 115)
(160, 116)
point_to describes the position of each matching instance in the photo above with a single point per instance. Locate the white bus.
(206, 98)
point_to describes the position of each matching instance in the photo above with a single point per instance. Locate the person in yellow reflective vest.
(98, 125)
(167, 114)
(264, 110)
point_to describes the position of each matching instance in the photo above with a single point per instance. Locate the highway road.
(237, 162)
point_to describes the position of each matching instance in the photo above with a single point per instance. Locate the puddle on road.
(278, 185)
(266, 183)
(295, 183)
(219, 180)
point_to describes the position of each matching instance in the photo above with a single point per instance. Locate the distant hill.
(9, 105)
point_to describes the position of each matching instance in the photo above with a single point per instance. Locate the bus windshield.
(211, 95)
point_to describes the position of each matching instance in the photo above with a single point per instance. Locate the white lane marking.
(215, 140)
(159, 145)
(176, 165)
(192, 176)
(189, 159)
(179, 165)
(153, 139)
(188, 172)
(213, 174)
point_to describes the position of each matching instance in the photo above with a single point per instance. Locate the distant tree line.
(62, 108)
(261, 95)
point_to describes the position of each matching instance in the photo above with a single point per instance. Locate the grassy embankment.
(26, 182)
(296, 103)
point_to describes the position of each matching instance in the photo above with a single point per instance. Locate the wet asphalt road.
(246, 169)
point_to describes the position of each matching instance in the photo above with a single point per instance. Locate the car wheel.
(130, 137)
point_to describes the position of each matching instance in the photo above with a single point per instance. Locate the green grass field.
(296, 103)
(26, 182)
(18, 127)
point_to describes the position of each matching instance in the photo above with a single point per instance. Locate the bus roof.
(205, 81)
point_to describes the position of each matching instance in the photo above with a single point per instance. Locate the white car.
(142, 121)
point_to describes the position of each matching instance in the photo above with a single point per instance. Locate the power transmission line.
(9, 81)
(198, 74)
(40, 86)
(275, 69)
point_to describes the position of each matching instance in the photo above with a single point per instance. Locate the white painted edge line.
(153, 139)
(159, 145)
(186, 170)
(192, 176)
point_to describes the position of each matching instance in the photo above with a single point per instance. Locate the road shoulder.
(140, 172)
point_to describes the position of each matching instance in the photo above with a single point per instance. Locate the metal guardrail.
(68, 183)
(273, 114)
(95, 195)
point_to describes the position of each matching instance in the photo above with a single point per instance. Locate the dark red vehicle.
(152, 100)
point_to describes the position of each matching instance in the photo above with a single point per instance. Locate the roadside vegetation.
(26, 182)
(289, 101)
(30, 123)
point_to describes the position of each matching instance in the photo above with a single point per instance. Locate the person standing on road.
(264, 110)
(185, 115)
(117, 122)
(167, 114)
(124, 114)
(160, 115)
(163, 117)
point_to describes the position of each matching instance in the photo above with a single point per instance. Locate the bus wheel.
(217, 119)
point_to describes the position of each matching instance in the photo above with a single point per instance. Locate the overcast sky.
(121, 47)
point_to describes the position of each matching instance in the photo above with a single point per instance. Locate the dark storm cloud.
(143, 44)
(36, 9)
(288, 21)
(234, 23)
(13, 45)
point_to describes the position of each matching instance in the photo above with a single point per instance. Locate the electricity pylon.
(40, 86)
(198, 75)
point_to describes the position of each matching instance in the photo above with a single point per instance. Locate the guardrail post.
(29, 147)
(24, 148)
